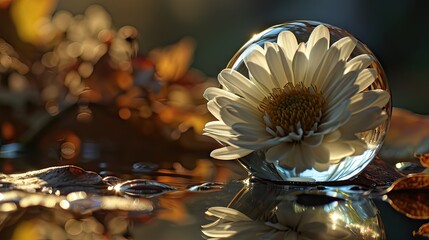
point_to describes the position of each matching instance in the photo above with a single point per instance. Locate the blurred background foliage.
(395, 30)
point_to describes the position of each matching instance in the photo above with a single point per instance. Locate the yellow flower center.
(293, 108)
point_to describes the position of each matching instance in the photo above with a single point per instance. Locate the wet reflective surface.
(69, 202)
(152, 188)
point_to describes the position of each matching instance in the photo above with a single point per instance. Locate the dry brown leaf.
(410, 196)
(423, 230)
(424, 159)
(417, 181)
(408, 134)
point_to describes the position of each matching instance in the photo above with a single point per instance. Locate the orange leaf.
(407, 134)
(410, 196)
(417, 181)
(424, 159)
(423, 230)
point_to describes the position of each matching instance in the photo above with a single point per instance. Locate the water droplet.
(206, 187)
(142, 188)
(112, 180)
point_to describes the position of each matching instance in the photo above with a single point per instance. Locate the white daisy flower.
(303, 104)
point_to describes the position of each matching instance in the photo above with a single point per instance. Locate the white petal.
(344, 95)
(319, 33)
(373, 98)
(239, 102)
(332, 125)
(287, 67)
(214, 109)
(346, 46)
(359, 146)
(222, 137)
(299, 64)
(316, 55)
(256, 131)
(338, 150)
(307, 158)
(333, 136)
(329, 61)
(229, 153)
(299, 157)
(237, 114)
(218, 125)
(273, 45)
(334, 113)
(251, 144)
(261, 77)
(240, 85)
(363, 121)
(257, 57)
(276, 67)
(228, 214)
(238, 111)
(287, 41)
(359, 63)
(314, 140)
(321, 166)
(278, 153)
(289, 160)
(365, 78)
(321, 154)
(223, 134)
(212, 92)
(344, 83)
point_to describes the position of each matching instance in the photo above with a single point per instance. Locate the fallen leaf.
(424, 159)
(410, 196)
(61, 176)
(417, 181)
(423, 231)
(408, 134)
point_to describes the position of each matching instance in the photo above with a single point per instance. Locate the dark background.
(396, 31)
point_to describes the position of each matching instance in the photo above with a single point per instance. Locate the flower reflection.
(261, 212)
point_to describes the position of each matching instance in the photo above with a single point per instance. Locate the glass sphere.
(347, 167)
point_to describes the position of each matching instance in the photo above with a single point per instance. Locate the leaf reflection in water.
(77, 202)
(62, 176)
(264, 211)
(410, 196)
